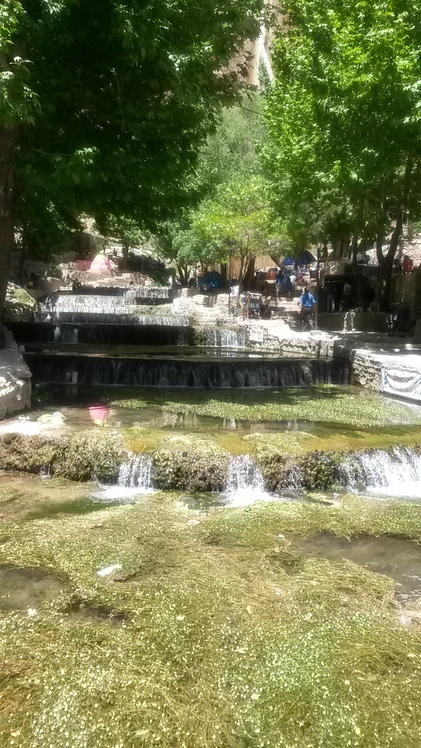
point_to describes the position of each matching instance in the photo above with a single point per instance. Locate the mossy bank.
(216, 630)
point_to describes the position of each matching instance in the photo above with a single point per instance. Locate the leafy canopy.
(343, 118)
(109, 102)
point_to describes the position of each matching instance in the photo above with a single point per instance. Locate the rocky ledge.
(15, 380)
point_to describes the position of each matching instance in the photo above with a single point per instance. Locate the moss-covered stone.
(89, 456)
(188, 464)
(80, 457)
(24, 453)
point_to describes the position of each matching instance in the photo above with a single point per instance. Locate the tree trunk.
(386, 265)
(22, 263)
(385, 283)
(183, 274)
(126, 249)
(249, 272)
(354, 251)
(7, 205)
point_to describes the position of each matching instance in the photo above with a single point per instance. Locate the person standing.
(293, 279)
(306, 305)
(346, 300)
(278, 283)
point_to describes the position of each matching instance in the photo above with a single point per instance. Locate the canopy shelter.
(211, 280)
(305, 258)
(100, 264)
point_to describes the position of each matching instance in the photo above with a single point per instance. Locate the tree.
(344, 126)
(224, 187)
(236, 223)
(107, 103)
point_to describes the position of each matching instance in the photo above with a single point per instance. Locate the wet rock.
(200, 468)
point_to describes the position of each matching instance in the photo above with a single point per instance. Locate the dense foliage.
(103, 106)
(233, 216)
(343, 119)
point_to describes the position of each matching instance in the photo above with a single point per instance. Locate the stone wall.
(366, 370)
(15, 380)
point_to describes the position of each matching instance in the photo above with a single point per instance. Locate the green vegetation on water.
(327, 404)
(217, 644)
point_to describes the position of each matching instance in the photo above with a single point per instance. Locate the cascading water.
(223, 337)
(171, 371)
(134, 479)
(245, 482)
(395, 472)
(136, 473)
(119, 317)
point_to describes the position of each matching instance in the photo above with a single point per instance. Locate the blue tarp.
(211, 280)
(305, 258)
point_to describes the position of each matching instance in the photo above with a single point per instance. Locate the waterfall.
(119, 317)
(72, 302)
(395, 472)
(134, 479)
(224, 337)
(136, 473)
(245, 482)
(173, 371)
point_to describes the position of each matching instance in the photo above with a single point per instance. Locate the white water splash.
(394, 473)
(224, 337)
(245, 483)
(134, 479)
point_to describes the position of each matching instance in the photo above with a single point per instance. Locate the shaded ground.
(218, 644)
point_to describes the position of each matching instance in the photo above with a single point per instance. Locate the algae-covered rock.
(79, 457)
(320, 470)
(89, 456)
(311, 471)
(187, 464)
(19, 305)
(24, 453)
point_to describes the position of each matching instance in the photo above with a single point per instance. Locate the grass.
(221, 647)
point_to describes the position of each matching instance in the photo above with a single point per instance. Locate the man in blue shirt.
(306, 304)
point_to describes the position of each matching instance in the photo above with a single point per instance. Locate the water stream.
(134, 480)
(393, 473)
(245, 483)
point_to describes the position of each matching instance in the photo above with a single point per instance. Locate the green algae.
(219, 645)
(327, 404)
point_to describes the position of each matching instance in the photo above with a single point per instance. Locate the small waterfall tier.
(107, 308)
(116, 317)
(136, 473)
(134, 479)
(394, 472)
(182, 371)
(132, 295)
(224, 337)
(155, 334)
(245, 482)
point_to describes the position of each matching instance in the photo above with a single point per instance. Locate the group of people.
(406, 265)
(285, 282)
(254, 306)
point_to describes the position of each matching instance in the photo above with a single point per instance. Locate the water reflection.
(398, 558)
